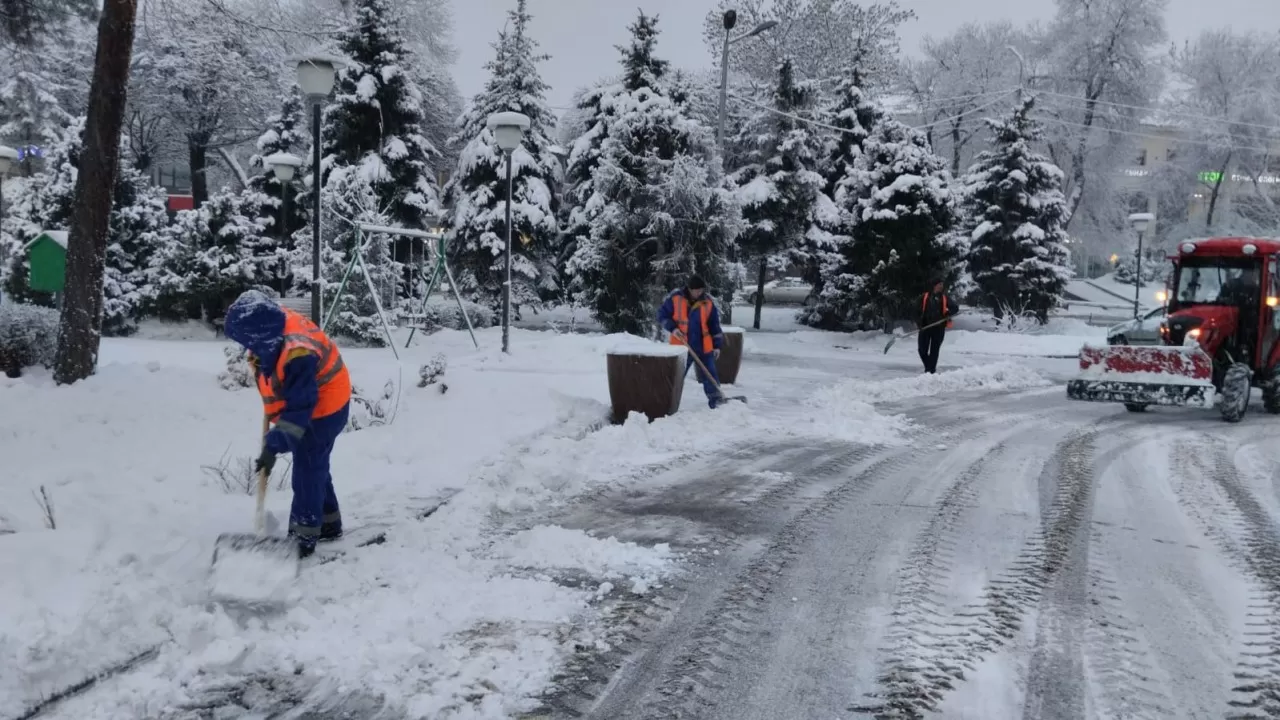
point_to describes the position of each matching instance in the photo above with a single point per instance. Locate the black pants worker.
(930, 343)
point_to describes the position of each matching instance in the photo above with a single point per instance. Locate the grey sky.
(580, 35)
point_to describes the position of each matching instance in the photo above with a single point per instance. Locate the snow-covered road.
(1024, 556)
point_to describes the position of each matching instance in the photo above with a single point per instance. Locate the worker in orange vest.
(693, 320)
(935, 307)
(306, 392)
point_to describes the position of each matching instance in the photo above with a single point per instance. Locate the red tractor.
(1221, 338)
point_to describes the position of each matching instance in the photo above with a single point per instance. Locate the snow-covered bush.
(1153, 271)
(444, 314)
(238, 373)
(28, 337)
(366, 412)
(431, 371)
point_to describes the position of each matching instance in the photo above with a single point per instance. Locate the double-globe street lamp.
(730, 20)
(508, 130)
(316, 75)
(1139, 221)
(285, 166)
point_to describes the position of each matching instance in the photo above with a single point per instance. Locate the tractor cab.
(1220, 337)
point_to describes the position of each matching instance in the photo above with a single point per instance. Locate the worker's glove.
(678, 335)
(715, 354)
(266, 462)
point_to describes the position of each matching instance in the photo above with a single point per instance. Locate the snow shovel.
(715, 382)
(894, 339)
(254, 567)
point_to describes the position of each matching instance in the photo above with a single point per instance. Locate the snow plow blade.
(1144, 375)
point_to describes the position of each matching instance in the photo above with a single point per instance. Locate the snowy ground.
(848, 491)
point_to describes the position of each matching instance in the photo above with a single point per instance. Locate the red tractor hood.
(1211, 324)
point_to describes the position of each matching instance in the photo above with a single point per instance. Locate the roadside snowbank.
(998, 376)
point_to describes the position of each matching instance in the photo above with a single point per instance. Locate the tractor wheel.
(1135, 407)
(1271, 391)
(1235, 392)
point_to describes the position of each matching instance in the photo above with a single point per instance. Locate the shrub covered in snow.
(444, 314)
(28, 337)
(238, 373)
(371, 412)
(431, 371)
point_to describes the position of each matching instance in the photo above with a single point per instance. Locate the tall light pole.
(730, 20)
(8, 159)
(508, 130)
(284, 166)
(316, 76)
(1139, 221)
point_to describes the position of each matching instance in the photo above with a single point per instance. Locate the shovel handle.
(260, 514)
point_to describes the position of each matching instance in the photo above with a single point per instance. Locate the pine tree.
(855, 115)
(31, 117)
(590, 119)
(286, 133)
(137, 216)
(375, 123)
(648, 222)
(1015, 213)
(780, 190)
(477, 192)
(899, 193)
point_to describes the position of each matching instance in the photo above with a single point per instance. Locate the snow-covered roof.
(58, 236)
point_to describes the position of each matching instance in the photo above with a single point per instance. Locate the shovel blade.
(253, 569)
(889, 344)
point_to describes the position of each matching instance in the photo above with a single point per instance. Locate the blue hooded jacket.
(256, 322)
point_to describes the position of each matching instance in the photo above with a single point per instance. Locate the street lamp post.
(508, 130)
(730, 20)
(316, 76)
(284, 165)
(8, 159)
(1139, 221)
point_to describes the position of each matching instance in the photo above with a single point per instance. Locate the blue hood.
(257, 323)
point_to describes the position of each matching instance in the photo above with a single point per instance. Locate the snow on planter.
(730, 355)
(645, 377)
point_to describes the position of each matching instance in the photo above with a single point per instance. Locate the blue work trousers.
(709, 384)
(314, 501)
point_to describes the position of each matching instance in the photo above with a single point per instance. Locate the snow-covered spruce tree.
(286, 133)
(375, 123)
(137, 217)
(905, 210)
(856, 115)
(780, 191)
(477, 193)
(647, 227)
(30, 114)
(583, 130)
(235, 251)
(1014, 213)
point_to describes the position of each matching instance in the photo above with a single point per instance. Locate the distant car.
(1140, 331)
(784, 291)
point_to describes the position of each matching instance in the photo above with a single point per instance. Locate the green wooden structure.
(48, 257)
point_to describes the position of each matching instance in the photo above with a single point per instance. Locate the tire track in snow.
(914, 685)
(1243, 528)
(691, 684)
(1116, 656)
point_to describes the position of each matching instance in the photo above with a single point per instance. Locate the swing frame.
(364, 237)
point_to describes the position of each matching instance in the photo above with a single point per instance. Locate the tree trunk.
(1216, 193)
(198, 161)
(956, 146)
(764, 266)
(1079, 156)
(80, 327)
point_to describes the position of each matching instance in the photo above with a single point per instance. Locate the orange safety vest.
(302, 337)
(680, 313)
(924, 305)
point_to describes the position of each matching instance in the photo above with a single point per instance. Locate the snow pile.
(550, 547)
(999, 376)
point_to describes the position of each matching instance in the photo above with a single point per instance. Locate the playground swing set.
(431, 248)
